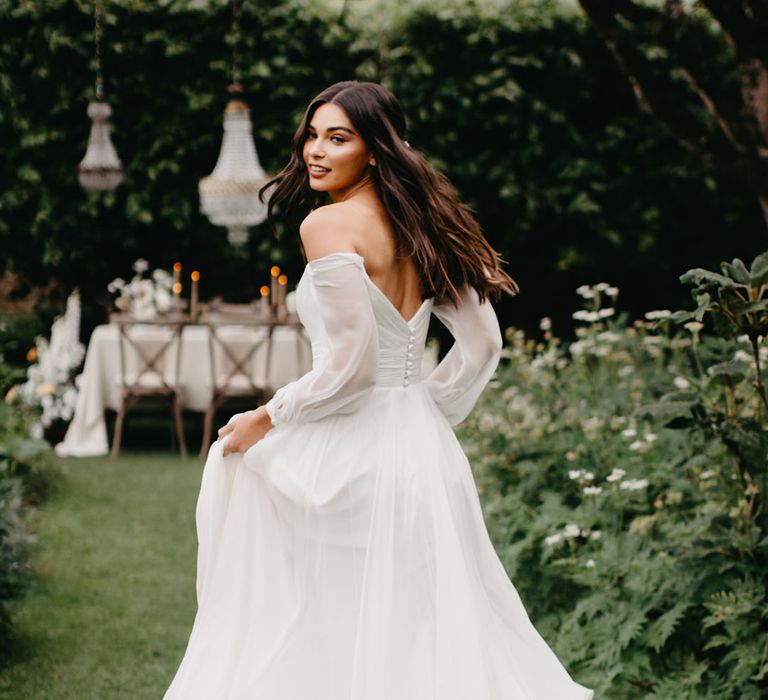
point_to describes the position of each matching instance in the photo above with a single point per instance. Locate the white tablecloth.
(100, 384)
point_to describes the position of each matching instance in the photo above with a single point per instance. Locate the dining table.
(285, 357)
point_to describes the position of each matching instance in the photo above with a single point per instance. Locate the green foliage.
(17, 336)
(624, 482)
(26, 477)
(518, 102)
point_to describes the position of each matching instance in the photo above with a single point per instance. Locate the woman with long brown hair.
(342, 550)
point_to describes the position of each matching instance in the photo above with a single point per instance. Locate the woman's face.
(336, 156)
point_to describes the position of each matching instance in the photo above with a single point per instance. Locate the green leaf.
(700, 276)
(661, 630)
(730, 373)
(737, 271)
(758, 271)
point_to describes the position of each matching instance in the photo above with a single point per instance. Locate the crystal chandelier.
(229, 196)
(100, 169)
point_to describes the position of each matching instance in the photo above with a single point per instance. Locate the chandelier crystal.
(100, 169)
(229, 196)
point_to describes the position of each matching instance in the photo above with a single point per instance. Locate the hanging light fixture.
(100, 169)
(229, 196)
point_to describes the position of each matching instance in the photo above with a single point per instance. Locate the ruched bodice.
(400, 342)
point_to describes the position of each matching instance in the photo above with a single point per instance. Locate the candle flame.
(177, 267)
(264, 290)
(274, 271)
(195, 276)
(283, 279)
(177, 288)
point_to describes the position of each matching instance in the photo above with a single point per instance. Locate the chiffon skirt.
(347, 559)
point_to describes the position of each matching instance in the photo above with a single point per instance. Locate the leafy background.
(519, 103)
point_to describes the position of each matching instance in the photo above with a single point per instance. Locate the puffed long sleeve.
(455, 384)
(345, 371)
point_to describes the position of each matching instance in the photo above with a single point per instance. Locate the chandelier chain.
(97, 41)
(236, 36)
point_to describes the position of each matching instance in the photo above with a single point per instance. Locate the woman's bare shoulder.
(333, 228)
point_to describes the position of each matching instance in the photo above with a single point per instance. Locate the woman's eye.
(310, 135)
(338, 139)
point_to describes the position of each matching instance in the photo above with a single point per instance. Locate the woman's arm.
(455, 384)
(347, 372)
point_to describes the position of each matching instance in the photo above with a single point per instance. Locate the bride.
(342, 550)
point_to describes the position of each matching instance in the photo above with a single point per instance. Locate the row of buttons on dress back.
(408, 358)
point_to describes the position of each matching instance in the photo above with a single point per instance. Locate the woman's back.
(362, 221)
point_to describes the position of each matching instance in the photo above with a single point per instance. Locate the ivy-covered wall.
(521, 107)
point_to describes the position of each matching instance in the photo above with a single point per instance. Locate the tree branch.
(635, 69)
(713, 111)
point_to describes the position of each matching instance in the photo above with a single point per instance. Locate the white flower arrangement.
(49, 385)
(144, 297)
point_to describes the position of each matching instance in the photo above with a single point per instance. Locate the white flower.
(741, 356)
(616, 475)
(585, 291)
(571, 530)
(658, 315)
(612, 292)
(545, 324)
(609, 336)
(592, 424)
(140, 266)
(605, 313)
(586, 316)
(681, 383)
(554, 539)
(634, 484)
(708, 474)
(36, 430)
(163, 300)
(639, 446)
(593, 490)
(162, 277)
(571, 456)
(590, 564)
(581, 347)
(693, 326)
(588, 476)
(116, 285)
(574, 474)
(628, 432)
(650, 437)
(595, 534)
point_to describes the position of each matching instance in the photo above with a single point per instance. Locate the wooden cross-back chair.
(240, 352)
(150, 353)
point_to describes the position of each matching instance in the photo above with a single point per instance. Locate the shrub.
(624, 478)
(26, 478)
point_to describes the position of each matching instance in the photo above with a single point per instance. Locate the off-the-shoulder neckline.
(338, 254)
(426, 302)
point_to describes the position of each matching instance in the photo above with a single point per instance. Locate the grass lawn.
(115, 566)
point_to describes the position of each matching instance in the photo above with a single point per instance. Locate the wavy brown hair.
(431, 224)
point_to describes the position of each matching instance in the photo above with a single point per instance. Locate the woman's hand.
(245, 431)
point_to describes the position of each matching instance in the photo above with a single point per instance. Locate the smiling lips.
(317, 170)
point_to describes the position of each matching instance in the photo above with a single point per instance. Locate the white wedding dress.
(344, 556)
